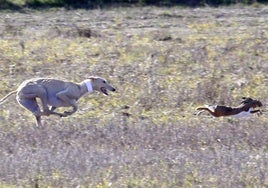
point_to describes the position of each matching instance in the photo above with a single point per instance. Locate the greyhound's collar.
(89, 85)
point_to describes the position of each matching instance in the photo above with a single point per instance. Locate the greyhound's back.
(52, 85)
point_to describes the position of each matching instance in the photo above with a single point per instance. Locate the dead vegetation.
(164, 62)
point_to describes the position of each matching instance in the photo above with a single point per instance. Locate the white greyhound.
(55, 93)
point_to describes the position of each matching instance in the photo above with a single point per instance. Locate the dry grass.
(164, 63)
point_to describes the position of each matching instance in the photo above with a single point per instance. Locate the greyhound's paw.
(67, 113)
(46, 113)
(63, 115)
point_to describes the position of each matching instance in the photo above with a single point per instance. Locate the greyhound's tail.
(3, 99)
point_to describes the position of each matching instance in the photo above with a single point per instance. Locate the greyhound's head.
(101, 85)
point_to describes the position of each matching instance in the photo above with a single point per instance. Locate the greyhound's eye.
(104, 81)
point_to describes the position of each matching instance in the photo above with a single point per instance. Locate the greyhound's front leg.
(52, 109)
(69, 101)
(73, 104)
(54, 113)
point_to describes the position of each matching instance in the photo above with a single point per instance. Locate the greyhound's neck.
(89, 85)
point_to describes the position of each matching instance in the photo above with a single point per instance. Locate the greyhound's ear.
(92, 78)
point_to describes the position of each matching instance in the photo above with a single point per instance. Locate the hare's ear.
(243, 100)
(246, 100)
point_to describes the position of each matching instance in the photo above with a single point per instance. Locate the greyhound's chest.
(53, 100)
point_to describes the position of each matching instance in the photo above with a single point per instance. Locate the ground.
(164, 62)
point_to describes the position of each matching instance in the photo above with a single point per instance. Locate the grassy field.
(164, 62)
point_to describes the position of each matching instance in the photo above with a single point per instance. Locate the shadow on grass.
(36, 4)
(9, 5)
(86, 4)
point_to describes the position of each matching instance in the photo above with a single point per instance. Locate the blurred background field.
(164, 62)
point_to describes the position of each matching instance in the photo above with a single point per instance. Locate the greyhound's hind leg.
(32, 105)
(33, 91)
(38, 121)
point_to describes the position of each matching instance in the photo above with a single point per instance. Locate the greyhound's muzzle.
(105, 91)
